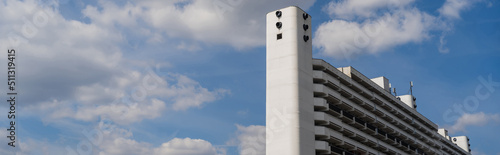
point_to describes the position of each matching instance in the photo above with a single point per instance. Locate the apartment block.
(313, 107)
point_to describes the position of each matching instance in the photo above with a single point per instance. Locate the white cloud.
(28, 146)
(375, 26)
(452, 8)
(251, 140)
(76, 70)
(127, 106)
(119, 142)
(112, 140)
(477, 119)
(59, 55)
(195, 20)
(186, 146)
(342, 38)
(125, 146)
(73, 70)
(442, 44)
(187, 93)
(177, 146)
(348, 9)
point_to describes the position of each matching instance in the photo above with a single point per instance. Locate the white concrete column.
(289, 84)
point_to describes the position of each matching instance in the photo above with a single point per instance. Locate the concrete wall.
(289, 85)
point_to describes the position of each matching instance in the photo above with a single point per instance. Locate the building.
(315, 108)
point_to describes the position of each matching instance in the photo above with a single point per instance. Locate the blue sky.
(188, 76)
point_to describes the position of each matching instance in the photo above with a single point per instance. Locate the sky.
(187, 77)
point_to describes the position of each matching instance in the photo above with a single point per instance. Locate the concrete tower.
(289, 83)
(313, 107)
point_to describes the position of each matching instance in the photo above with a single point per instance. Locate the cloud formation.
(177, 146)
(348, 9)
(76, 70)
(477, 119)
(452, 8)
(369, 27)
(114, 140)
(251, 140)
(193, 21)
(118, 141)
(341, 38)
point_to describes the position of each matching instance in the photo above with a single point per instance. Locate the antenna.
(411, 87)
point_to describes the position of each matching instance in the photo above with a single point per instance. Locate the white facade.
(315, 108)
(462, 142)
(382, 82)
(289, 87)
(409, 100)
